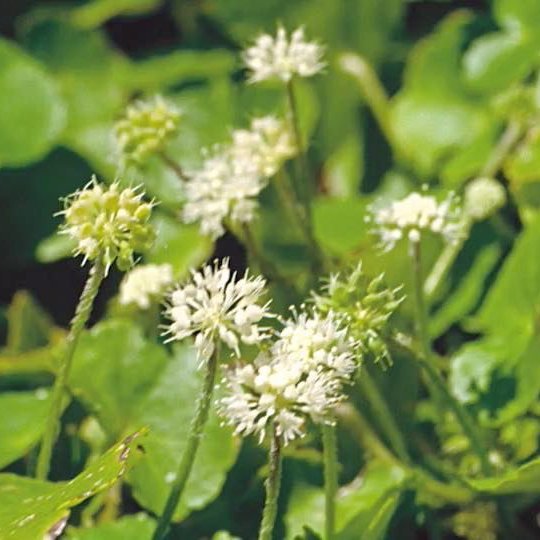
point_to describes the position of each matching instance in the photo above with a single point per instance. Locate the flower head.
(266, 145)
(483, 197)
(282, 57)
(273, 392)
(108, 223)
(145, 285)
(145, 128)
(415, 214)
(315, 341)
(224, 188)
(366, 304)
(214, 305)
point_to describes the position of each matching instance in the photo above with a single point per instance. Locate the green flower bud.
(483, 197)
(108, 223)
(145, 129)
(366, 303)
(478, 521)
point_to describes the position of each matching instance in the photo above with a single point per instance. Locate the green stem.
(446, 260)
(382, 412)
(82, 313)
(470, 429)
(272, 485)
(509, 138)
(174, 166)
(194, 438)
(330, 479)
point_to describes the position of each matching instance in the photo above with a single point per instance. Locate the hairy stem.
(82, 314)
(272, 486)
(384, 415)
(330, 479)
(194, 438)
(437, 383)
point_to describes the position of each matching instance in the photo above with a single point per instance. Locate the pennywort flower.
(145, 128)
(145, 284)
(483, 197)
(283, 57)
(272, 392)
(366, 304)
(224, 189)
(266, 145)
(215, 305)
(108, 223)
(416, 214)
(314, 342)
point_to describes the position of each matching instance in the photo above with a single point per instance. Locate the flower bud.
(483, 197)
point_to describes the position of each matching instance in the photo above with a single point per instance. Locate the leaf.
(22, 423)
(339, 223)
(524, 479)
(433, 116)
(35, 361)
(168, 410)
(96, 12)
(31, 509)
(497, 60)
(54, 247)
(520, 16)
(180, 245)
(29, 327)
(30, 105)
(139, 526)
(114, 369)
(129, 382)
(363, 508)
(523, 165)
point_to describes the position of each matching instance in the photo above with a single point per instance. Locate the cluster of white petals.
(414, 214)
(214, 305)
(301, 378)
(145, 284)
(225, 188)
(267, 144)
(483, 197)
(283, 57)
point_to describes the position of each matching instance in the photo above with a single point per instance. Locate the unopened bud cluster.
(366, 304)
(479, 521)
(145, 285)
(108, 223)
(145, 129)
(483, 197)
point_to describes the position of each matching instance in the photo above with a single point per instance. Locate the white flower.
(282, 57)
(224, 188)
(145, 284)
(266, 145)
(214, 305)
(313, 342)
(270, 393)
(416, 213)
(483, 197)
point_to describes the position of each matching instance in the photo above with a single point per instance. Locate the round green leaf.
(30, 105)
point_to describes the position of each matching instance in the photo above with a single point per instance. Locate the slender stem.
(272, 485)
(374, 94)
(186, 463)
(446, 260)
(82, 313)
(384, 415)
(330, 479)
(509, 138)
(174, 166)
(437, 382)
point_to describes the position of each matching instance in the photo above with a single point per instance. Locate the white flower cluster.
(300, 379)
(416, 213)
(483, 197)
(145, 284)
(282, 57)
(267, 144)
(214, 305)
(231, 177)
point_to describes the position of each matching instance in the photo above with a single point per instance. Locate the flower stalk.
(272, 485)
(188, 458)
(82, 314)
(330, 479)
